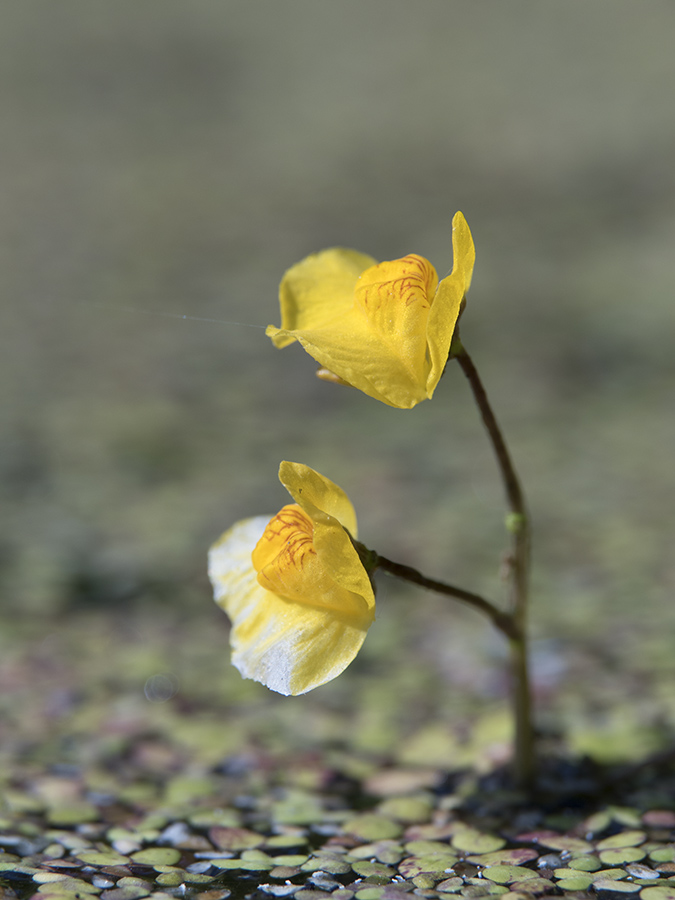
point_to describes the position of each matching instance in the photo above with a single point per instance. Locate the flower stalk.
(501, 620)
(518, 526)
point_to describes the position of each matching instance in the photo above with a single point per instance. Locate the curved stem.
(519, 527)
(501, 620)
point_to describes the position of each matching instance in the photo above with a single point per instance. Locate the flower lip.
(408, 281)
(288, 563)
(290, 533)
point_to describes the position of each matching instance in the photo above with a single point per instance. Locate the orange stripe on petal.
(395, 298)
(392, 286)
(288, 565)
(286, 539)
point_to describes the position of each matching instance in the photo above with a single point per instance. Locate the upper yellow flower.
(385, 329)
(294, 587)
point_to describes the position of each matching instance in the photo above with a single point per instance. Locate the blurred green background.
(162, 163)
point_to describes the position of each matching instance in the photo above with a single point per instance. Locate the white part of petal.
(230, 566)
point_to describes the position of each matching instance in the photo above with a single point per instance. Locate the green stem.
(503, 621)
(519, 529)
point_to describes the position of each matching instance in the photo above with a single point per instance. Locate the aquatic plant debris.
(273, 831)
(92, 773)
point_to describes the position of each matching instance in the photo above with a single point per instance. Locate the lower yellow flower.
(298, 596)
(383, 328)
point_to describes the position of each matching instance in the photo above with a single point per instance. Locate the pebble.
(639, 871)
(201, 868)
(323, 881)
(278, 890)
(124, 846)
(175, 834)
(550, 861)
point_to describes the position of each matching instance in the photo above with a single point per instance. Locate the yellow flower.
(298, 596)
(385, 329)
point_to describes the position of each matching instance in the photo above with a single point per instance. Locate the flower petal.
(463, 250)
(447, 303)
(289, 647)
(316, 291)
(377, 327)
(355, 353)
(332, 513)
(395, 297)
(318, 310)
(289, 564)
(316, 493)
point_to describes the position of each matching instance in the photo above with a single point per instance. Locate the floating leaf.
(370, 893)
(73, 814)
(665, 892)
(372, 827)
(431, 832)
(186, 789)
(102, 858)
(235, 838)
(58, 893)
(597, 822)
(534, 886)
(383, 851)
(333, 865)
(125, 893)
(283, 841)
(169, 879)
(425, 848)
(508, 874)
(450, 885)
(556, 841)
(285, 872)
(208, 818)
(471, 841)
(427, 881)
(623, 839)
(417, 865)
(585, 863)
(575, 881)
(298, 808)
(66, 885)
(659, 818)
(621, 856)
(513, 857)
(196, 878)
(626, 815)
(290, 859)
(157, 856)
(367, 869)
(246, 865)
(607, 874)
(390, 782)
(310, 894)
(624, 887)
(411, 810)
